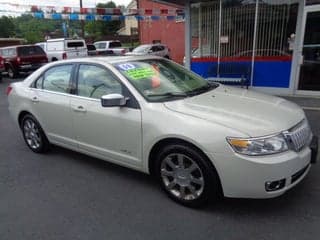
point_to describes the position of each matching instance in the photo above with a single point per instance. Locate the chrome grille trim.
(299, 136)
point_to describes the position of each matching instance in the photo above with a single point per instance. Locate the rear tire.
(186, 176)
(12, 73)
(34, 135)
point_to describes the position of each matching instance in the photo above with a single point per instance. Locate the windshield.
(100, 45)
(141, 49)
(160, 80)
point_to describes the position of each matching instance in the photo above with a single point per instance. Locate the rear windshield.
(30, 50)
(115, 44)
(75, 44)
(8, 52)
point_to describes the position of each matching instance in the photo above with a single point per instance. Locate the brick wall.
(170, 33)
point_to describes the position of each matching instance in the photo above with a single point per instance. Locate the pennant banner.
(93, 17)
(93, 11)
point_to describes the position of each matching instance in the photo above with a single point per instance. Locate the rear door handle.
(34, 99)
(79, 109)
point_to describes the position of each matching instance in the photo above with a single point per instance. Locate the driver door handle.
(79, 109)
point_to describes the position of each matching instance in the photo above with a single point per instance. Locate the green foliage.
(7, 28)
(34, 30)
(98, 29)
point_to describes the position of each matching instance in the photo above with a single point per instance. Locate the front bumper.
(246, 177)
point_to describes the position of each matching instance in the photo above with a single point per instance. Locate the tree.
(7, 28)
(98, 29)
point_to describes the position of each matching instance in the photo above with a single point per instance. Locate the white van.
(64, 48)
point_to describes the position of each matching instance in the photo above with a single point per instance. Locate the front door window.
(310, 68)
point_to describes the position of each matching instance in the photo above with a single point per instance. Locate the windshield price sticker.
(140, 73)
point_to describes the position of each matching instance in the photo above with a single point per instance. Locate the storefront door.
(309, 76)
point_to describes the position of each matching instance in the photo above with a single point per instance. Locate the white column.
(187, 34)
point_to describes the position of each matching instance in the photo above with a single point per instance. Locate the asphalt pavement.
(67, 195)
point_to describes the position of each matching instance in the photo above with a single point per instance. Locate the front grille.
(299, 135)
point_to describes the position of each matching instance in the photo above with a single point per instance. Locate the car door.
(50, 96)
(112, 133)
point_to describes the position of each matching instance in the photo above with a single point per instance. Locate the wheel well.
(54, 59)
(7, 65)
(165, 142)
(168, 141)
(21, 116)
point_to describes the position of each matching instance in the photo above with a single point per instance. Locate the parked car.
(199, 139)
(110, 48)
(1, 67)
(160, 50)
(22, 58)
(92, 51)
(205, 51)
(65, 48)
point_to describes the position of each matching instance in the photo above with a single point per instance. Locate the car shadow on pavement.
(288, 202)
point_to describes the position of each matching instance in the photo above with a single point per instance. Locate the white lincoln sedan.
(199, 139)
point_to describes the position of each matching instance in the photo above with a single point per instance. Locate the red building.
(169, 32)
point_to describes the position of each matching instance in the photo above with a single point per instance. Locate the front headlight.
(259, 146)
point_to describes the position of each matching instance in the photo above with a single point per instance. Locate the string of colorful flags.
(96, 14)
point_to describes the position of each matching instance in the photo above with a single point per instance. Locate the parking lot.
(67, 195)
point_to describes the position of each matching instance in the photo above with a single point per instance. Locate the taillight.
(123, 51)
(9, 89)
(18, 60)
(64, 56)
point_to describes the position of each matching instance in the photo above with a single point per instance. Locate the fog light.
(275, 185)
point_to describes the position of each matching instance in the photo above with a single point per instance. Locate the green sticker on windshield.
(140, 73)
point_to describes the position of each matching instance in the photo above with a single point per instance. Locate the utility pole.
(82, 22)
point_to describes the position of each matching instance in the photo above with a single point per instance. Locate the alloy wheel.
(182, 176)
(32, 134)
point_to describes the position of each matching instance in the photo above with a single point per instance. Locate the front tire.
(187, 177)
(33, 135)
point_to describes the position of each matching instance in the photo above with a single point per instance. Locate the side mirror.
(150, 51)
(113, 100)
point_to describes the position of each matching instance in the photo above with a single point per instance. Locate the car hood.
(252, 113)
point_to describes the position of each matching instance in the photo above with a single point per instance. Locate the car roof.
(18, 46)
(64, 39)
(109, 60)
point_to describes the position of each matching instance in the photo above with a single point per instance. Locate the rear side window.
(115, 44)
(30, 50)
(75, 44)
(56, 79)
